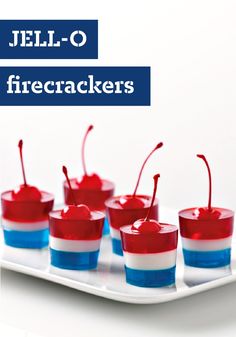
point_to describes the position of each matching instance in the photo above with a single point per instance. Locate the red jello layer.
(153, 242)
(93, 198)
(119, 216)
(192, 227)
(76, 229)
(26, 211)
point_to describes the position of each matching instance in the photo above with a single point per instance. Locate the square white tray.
(109, 279)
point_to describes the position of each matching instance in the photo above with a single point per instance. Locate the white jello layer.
(74, 245)
(24, 226)
(206, 245)
(115, 233)
(153, 261)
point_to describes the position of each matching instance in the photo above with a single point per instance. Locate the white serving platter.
(108, 280)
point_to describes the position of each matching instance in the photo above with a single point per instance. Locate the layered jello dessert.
(75, 236)
(124, 210)
(25, 214)
(206, 233)
(89, 189)
(150, 251)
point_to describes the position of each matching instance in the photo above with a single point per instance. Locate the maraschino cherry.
(25, 192)
(207, 212)
(132, 201)
(92, 181)
(148, 225)
(74, 212)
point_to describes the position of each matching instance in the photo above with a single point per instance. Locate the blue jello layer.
(117, 247)
(106, 228)
(25, 239)
(74, 260)
(150, 278)
(210, 259)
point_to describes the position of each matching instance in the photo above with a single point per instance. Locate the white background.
(191, 48)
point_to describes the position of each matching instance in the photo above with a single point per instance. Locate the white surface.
(31, 307)
(191, 48)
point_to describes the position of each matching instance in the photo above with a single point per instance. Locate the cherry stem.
(158, 146)
(210, 181)
(83, 148)
(155, 178)
(64, 170)
(20, 145)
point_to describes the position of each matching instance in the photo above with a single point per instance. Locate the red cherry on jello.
(131, 202)
(92, 181)
(148, 225)
(26, 193)
(204, 213)
(74, 212)
(79, 212)
(209, 212)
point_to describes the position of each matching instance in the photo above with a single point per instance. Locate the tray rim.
(112, 295)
